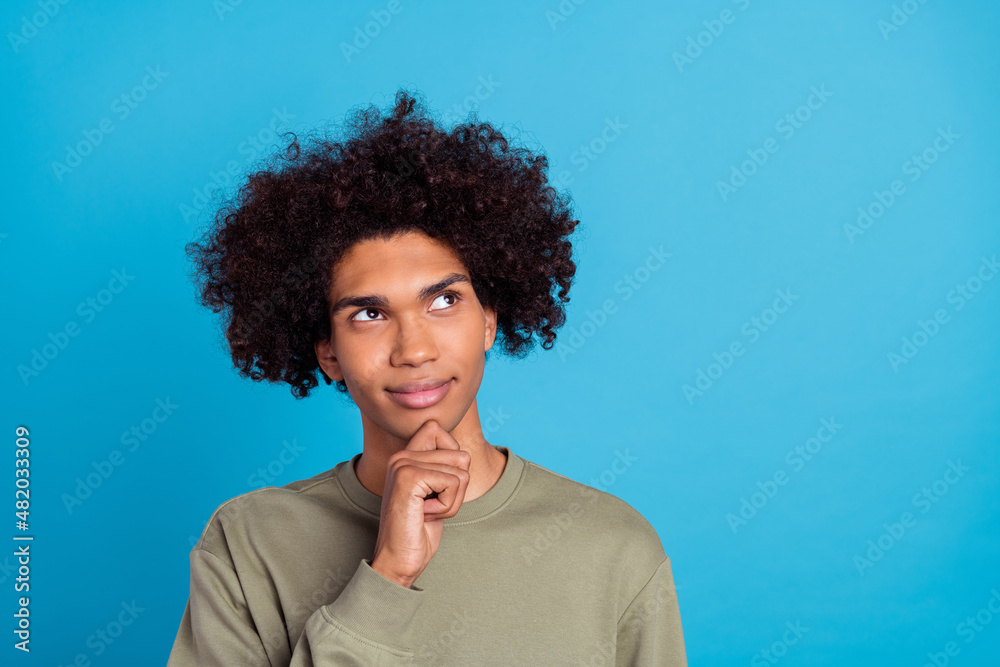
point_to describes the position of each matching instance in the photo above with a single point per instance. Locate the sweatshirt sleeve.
(369, 624)
(217, 628)
(361, 627)
(649, 632)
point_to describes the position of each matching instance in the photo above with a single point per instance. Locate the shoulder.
(270, 507)
(596, 513)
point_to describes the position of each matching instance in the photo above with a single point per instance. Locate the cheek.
(466, 345)
(474, 335)
(363, 361)
(357, 359)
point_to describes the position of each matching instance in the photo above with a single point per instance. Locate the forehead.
(406, 260)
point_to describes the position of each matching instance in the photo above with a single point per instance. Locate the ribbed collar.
(471, 510)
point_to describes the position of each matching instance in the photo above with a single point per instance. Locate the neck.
(485, 467)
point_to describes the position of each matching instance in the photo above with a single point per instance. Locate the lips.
(421, 385)
(421, 394)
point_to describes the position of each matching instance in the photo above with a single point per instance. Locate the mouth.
(419, 394)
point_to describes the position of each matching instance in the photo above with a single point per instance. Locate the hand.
(425, 483)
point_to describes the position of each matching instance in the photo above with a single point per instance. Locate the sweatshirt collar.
(471, 510)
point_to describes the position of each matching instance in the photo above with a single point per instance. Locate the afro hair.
(267, 258)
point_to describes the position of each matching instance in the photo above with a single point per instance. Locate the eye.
(453, 295)
(364, 311)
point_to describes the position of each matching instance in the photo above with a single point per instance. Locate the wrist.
(402, 580)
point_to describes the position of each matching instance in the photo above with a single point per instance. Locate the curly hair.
(267, 258)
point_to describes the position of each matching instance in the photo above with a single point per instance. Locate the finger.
(448, 500)
(417, 478)
(418, 481)
(423, 439)
(449, 486)
(448, 457)
(431, 435)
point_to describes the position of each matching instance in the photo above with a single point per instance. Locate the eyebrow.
(380, 301)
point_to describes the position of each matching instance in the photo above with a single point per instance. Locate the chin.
(411, 420)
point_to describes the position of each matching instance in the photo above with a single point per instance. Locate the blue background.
(555, 80)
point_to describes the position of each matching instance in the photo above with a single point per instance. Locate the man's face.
(403, 311)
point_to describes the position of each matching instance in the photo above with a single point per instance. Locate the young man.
(390, 263)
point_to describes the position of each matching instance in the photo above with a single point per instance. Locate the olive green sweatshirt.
(540, 570)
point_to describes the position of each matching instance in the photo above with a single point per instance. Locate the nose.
(414, 343)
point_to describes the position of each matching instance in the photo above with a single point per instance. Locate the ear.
(327, 361)
(490, 315)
